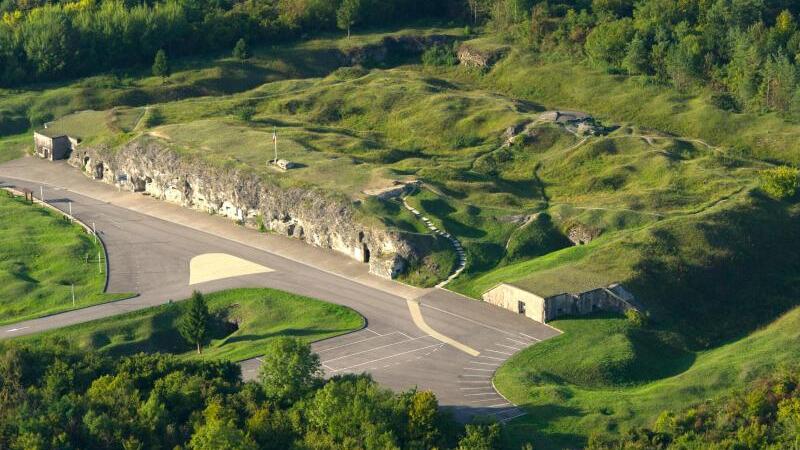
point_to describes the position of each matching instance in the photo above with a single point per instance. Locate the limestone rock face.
(470, 56)
(311, 215)
(581, 234)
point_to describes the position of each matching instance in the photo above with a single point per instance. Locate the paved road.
(451, 348)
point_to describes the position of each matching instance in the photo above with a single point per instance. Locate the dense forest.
(54, 40)
(744, 51)
(55, 397)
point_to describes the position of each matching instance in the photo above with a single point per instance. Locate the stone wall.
(613, 298)
(313, 216)
(508, 297)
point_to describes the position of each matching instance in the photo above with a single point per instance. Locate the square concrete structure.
(544, 308)
(53, 147)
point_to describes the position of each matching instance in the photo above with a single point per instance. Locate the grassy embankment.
(605, 375)
(244, 320)
(682, 225)
(41, 256)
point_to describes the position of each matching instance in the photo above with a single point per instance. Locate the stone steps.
(462, 255)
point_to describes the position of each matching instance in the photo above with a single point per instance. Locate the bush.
(636, 318)
(439, 55)
(781, 182)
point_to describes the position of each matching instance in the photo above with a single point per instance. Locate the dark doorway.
(520, 307)
(365, 252)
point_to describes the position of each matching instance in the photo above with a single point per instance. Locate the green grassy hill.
(670, 186)
(604, 375)
(244, 320)
(41, 256)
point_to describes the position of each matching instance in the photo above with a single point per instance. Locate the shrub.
(781, 182)
(636, 318)
(439, 55)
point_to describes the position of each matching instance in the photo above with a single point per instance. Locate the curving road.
(429, 338)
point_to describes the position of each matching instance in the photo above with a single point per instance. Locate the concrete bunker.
(53, 146)
(544, 307)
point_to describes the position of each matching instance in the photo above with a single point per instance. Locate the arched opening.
(365, 252)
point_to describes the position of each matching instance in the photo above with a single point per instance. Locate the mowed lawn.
(41, 256)
(243, 321)
(604, 375)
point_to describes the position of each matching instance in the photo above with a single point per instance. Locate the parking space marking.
(369, 329)
(372, 349)
(530, 337)
(508, 346)
(357, 342)
(484, 400)
(477, 376)
(470, 381)
(499, 404)
(481, 393)
(491, 357)
(484, 364)
(482, 370)
(473, 388)
(387, 357)
(513, 417)
(518, 342)
(502, 353)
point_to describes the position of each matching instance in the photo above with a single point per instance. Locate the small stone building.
(544, 308)
(53, 147)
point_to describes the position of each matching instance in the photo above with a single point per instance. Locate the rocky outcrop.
(319, 218)
(471, 56)
(393, 46)
(580, 234)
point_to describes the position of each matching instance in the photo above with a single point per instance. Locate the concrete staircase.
(462, 255)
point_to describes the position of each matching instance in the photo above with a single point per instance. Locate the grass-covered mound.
(243, 321)
(42, 255)
(606, 375)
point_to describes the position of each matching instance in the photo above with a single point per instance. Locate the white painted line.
(353, 343)
(484, 364)
(371, 349)
(491, 357)
(477, 376)
(373, 331)
(482, 370)
(499, 404)
(471, 320)
(530, 337)
(513, 417)
(16, 329)
(502, 353)
(416, 316)
(482, 393)
(469, 381)
(519, 342)
(508, 346)
(483, 400)
(387, 357)
(474, 388)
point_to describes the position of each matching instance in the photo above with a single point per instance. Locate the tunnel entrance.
(365, 252)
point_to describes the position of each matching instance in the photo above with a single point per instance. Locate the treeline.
(766, 416)
(745, 52)
(55, 40)
(55, 397)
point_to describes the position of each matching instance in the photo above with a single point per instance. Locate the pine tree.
(161, 65)
(194, 324)
(240, 51)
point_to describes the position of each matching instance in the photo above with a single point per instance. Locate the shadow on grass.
(289, 332)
